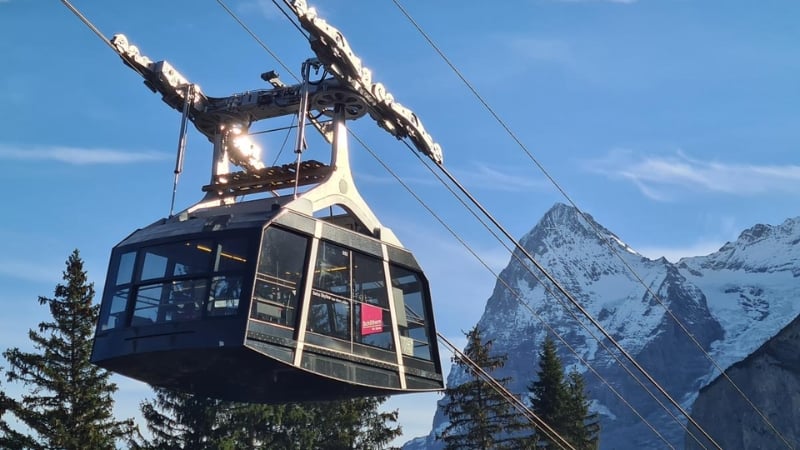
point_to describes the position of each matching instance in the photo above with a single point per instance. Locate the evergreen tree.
(549, 395)
(480, 417)
(9, 437)
(69, 405)
(356, 424)
(561, 403)
(179, 420)
(254, 426)
(583, 426)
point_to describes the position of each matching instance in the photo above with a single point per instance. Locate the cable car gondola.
(267, 300)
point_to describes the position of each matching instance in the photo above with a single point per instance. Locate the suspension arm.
(335, 53)
(242, 109)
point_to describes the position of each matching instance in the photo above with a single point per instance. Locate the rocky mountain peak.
(760, 248)
(730, 302)
(564, 229)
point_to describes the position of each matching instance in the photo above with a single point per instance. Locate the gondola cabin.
(273, 299)
(249, 303)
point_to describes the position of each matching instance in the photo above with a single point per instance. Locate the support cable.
(291, 18)
(563, 192)
(254, 36)
(89, 24)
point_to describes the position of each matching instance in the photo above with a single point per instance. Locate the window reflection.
(349, 299)
(125, 271)
(225, 294)
(115, 316)
(412, 313)
(280, 273)
(331, 296)
(179, 281)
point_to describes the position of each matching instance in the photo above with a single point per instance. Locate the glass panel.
(412, 312)
(373, 326)
(280, 272)
(155, 266)
(185, 301)
(373, 322)
(231, 255)
(114, 315)
(283, 255)
(330, 298)
(178, 259)
(125, 268)
(329, 315)
(224, 297)
(332, 272)
(145, 309)
(369, 283)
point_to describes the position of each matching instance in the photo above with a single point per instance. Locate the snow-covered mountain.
(727, 304)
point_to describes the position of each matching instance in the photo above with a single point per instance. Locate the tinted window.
(280, 274)
(331, 297)
(178, 259)
(125, 268)
(177, 282)
(410, 304)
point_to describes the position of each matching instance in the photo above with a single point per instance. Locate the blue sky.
(675, 123)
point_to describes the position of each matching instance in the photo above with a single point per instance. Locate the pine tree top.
(69, 402)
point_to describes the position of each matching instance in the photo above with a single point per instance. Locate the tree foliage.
(561, 402)
(69, 404)
(479, 416)
(178, 420)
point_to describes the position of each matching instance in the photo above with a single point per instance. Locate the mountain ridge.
(731, 301)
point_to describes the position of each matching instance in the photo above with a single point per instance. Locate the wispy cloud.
(663, 178)
(76, 156)
(508, 179)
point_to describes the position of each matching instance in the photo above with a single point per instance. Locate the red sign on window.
(371, 319)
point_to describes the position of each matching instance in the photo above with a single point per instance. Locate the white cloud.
(663, 178)
(507, 179)
(77, 156)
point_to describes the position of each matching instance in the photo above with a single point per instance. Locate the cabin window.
(279, 276)
(373, 320)
(176, 282)
(349, 299)
(412, 312)
(331, 297)
(224, 297)
(175, 260)
(126, 266)
(113, 311)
